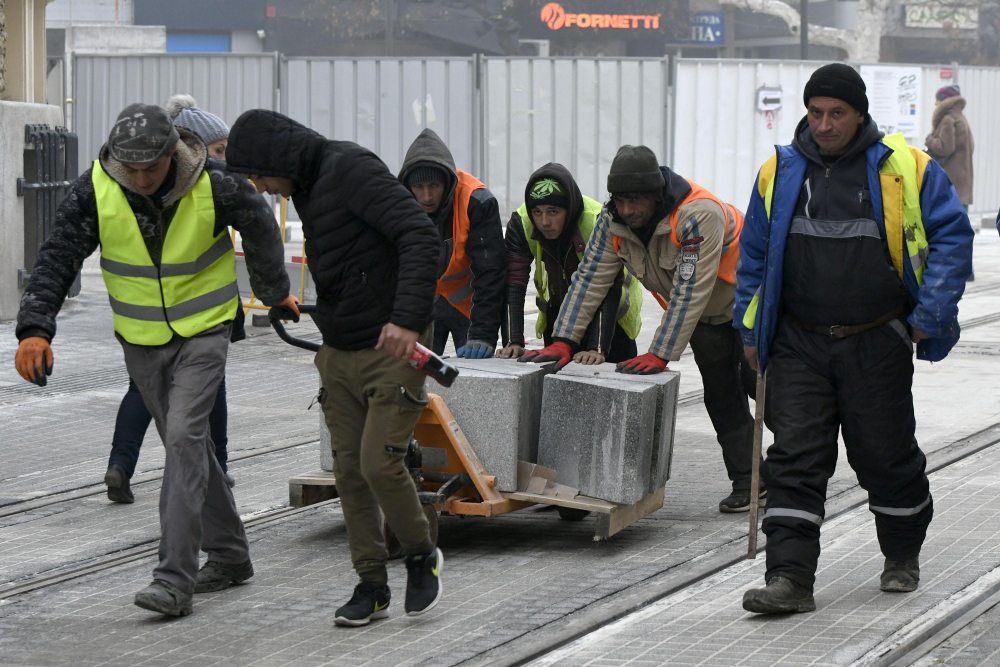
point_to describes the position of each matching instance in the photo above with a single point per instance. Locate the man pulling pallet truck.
(373, 255)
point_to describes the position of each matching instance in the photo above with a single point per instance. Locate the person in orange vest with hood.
(472, 271)
(682, 243)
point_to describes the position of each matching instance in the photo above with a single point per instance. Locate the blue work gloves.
(475, 349)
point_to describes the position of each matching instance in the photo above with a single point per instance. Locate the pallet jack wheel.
(392, 544)
(573, 514)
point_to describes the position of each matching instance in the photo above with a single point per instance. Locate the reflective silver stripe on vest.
(457, 276)
(209, 257)
(624, 308)
(217, 297)
(834, 229)
(730, 229)
(188, 308)
(460, 295)
(128, 270)
(795, 514)
(144, 313)
(900, 511)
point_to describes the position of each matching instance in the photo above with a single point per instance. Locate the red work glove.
(644, 364)
(558, 351)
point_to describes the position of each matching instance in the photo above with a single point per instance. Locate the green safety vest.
(900, 178)
(630, 304)
(193, 289)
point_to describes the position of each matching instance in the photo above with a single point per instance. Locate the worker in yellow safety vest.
(160, 209)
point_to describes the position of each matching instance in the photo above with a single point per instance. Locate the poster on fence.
(894, 99)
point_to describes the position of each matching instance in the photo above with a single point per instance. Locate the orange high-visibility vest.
(730, 240)
(456, 283)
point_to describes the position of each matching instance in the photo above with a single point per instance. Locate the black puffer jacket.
(372, 250)
(76, 234)
(485, 246)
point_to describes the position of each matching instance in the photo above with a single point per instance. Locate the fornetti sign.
(555, 16)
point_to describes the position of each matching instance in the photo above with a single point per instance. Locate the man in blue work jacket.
(855, 246)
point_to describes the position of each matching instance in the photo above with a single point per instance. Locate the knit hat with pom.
(186, 114)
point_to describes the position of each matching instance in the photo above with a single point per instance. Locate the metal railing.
(50, 167)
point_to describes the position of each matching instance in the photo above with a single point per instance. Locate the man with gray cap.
(682, 243)
(855, 248)
(160, 208)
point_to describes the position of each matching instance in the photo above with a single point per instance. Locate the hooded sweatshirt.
(76, 231)
(835, 271)
(485, 246)
(560, 256)
(372, 250)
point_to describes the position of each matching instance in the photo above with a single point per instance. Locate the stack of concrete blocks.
(608, 434)
(498, 404)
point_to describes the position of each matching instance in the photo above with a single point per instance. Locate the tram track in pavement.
(545, 645)
(98, 488)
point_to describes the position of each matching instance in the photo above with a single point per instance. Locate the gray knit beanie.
(635, 169)
(187, 115)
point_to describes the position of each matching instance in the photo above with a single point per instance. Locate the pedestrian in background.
(133, 415)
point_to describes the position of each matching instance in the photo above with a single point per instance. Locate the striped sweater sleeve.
(591, 282)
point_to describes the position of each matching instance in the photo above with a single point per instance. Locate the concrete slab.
(498, 404)
(598, 435)
(668, 388)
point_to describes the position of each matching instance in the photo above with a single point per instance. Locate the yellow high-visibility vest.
(194, 287)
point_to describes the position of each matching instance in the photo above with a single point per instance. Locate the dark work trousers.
(860, 386)
(133, 421)
(179, 382)
(728, 380)
(449, 320)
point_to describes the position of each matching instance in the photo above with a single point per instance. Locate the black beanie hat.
(426, 172)
(635, 169)
(840, 81)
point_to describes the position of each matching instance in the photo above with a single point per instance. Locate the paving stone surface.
(507, 579)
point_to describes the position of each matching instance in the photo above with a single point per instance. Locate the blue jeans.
(134, 418)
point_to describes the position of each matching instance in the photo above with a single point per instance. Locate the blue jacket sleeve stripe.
(570, 310)
(682, 296)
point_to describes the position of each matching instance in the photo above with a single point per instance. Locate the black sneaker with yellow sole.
(369, 603)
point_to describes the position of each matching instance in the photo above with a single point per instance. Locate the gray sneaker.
(780, 596)
(165, 598)
(900, 576)
(215, 576)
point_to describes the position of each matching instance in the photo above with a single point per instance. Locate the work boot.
(900, 576)
(118, 487)
(739, 501)
(369, 602)
(423, 582)
(230, 480)
(214, 576)
(164, 597)
(780, 596)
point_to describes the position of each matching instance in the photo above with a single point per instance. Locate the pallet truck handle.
(277, 313)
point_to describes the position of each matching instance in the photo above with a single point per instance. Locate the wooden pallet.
(312, 488)
(611, 517)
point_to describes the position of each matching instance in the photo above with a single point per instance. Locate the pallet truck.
(451, 479)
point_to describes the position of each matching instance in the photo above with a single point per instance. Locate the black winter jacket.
(76, 234)
(485, 246)
(372, 250)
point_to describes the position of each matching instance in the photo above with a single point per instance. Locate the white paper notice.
(894, 99)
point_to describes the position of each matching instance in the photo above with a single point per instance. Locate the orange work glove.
(291, 306)
(34, 360)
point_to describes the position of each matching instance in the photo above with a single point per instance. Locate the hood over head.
(946, 106)
(562, 176)
(428, 150)
(267, 143)
(868, 134)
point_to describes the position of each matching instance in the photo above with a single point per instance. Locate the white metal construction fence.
(503, 118)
